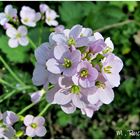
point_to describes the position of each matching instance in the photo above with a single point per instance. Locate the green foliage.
(17, 55)
(128, 86)
(104, 15)
(70, 13)
(131, 5)
(63, 119)
(90, 14)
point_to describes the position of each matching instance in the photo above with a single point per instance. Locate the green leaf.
(70, 13)
(103, 15)
(17, 55)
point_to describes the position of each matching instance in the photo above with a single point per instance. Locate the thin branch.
(115, 25)
(11, 71)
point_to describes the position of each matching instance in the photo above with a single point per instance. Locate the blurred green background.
(123, 113)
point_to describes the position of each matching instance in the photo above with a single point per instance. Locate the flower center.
(107, 50)
(107, 69)
(25, 19)
(100, 84)
(84, 73)
(49, 19)
(33, 125)
(67, 63)
(75, 89)
(71, 41)
(18, 35)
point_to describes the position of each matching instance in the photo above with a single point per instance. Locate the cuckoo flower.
(69, 95)
(41, 76)
(9, 14)
(85, 67)
(29, 16)
(102, 92)
(17, 36)
(6, 132)
(112, 65)
(86, 75)
(90, 109)
(9, 118)
(34, 126)
(85, 32)
(108, 47)
(43, 8)
(36, 96)
(51, 15)
(65, 61)
(71, 37)
(59, 29)
(7, 25)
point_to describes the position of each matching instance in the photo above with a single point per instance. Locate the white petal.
(59, 39)
(109, 43)
(40, 75)
(114, 79)
(39, 120)
(88, 111)
(53, 78)
(62, 97)
(30, 131)
(9, 10)
(43, 53)
(40, 131)
(22, 30)
(13, 43)
(69, 108)
(52, 23)
(51, 93)
(94, 98)
(75, 31)
(28, 120)
(59, 51)
(75, 79)
(97, 36)
(38, 17)
(23, 41)
(53, 66)
(86, 32)
(106, 95)
(3, 19)
(77, 101)
(11, 32)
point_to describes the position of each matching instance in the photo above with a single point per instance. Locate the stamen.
(67, 63)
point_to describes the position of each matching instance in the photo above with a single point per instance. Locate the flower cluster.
(7, 119)
(34, 126)
(80, 66)
(11, 22)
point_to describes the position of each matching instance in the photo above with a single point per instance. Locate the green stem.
(44, 110)
(11, 72)
(32, 43)
(26, 108)
(115, 25)
(6, 83)
(8, 95)
(40, 33)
